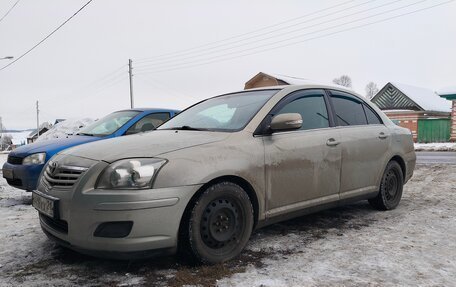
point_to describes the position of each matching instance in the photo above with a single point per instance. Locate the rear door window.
(349, 110)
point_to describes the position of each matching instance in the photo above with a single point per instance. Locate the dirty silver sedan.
(207, 178)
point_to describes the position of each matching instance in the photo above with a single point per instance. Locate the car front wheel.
(220, 223)
(391, 186)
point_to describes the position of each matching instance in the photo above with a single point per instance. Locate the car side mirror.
(290, 121)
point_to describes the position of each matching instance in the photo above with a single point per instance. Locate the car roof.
(308, 86)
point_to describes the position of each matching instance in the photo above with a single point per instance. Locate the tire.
(391, 186)
(219, 224)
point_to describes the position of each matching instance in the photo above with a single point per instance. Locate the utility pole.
(37, 120)
(130, 72)
(1, 134)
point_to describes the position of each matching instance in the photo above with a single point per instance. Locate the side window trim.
(260, 130)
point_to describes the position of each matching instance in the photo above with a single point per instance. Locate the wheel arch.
(231, 178)
(401, 162)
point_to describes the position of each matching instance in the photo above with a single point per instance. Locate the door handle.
(332, 142)
(382, 135)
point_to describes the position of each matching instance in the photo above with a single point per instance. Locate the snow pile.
(66, 128)
(435, 147)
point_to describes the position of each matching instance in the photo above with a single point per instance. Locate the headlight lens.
(135, 173)
(36, 158)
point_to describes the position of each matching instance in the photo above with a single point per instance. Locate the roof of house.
(290, 80)
(448, 93)
(58, 121)
(426, 98)
(410, 97)
(33, 133)
(282, 80)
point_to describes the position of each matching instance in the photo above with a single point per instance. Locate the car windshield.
(109, 124)
(224, 113)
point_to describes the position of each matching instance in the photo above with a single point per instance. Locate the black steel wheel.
(391, 186)
(220, 223)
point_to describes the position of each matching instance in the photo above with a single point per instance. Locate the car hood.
(52, 146)
(149, 144)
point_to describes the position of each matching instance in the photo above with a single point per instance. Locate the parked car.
(204, 180)
(25, 163)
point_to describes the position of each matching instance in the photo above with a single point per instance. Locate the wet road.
(435, 157)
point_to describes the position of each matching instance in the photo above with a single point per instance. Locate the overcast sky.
(81, 71)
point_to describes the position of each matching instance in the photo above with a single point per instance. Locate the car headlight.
(36, 158)
(134, 173)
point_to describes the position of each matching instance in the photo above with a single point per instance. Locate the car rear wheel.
(219, 224)
(391, 186)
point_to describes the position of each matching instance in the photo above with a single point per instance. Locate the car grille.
(14, 159)
(56, 224)
(62, 176)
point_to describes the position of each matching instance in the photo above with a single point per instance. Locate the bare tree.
(5, 141)
(371, 90)
(344, 80)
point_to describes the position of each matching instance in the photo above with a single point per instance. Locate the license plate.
(44, 203)
(8, 173)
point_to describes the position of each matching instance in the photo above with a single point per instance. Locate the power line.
(95, 85)
(7, 12)
(107, 77)
(223, 46)
(288, 39)
(301, 41)
(245, 34)
(284, 33)
(45, 38)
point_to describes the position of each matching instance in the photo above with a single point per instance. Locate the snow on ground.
(3, 158)
(414, 245)
(435, 146)
(66, 128)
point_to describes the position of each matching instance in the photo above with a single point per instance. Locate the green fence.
(433, 130)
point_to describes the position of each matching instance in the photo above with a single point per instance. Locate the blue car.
(25, 163)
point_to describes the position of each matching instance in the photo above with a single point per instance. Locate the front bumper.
(24, 176)
(155, 213)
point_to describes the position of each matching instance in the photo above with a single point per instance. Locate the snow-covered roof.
(425, 98)
(301, 81)
(447, 91)
(290, 80)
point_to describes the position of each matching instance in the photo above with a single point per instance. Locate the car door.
(365, 142)
(302, 166)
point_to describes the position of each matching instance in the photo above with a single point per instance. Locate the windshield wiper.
(84, 134)
(186, 128)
